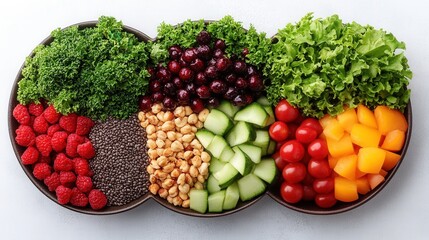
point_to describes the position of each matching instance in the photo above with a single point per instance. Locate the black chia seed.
(121, 159)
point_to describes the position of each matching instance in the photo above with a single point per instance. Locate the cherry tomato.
(313, 123)
(286, 112)
(280, 163)
(325, 200)
(318, 149)
(292, 151)
(324, 185)
(279, 131)
(309, 193)
(292, 129)
(319, 168)
(279, 145)
(305, 134)
(298, 120)
(308, 180)
(306, 158)
(294, 172)
(291, 192)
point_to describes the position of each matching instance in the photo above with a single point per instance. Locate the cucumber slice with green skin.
(252, 151)
(242, 132)
(226, 176)
(271, 147)
(262, 140)
(205, 137)
(217, 145)
(212, 184)
(218, 122)
(215, 165)
(226, 155)
(241, 161)
(263, 101)
(271, 119)
(250, 186)
(198, 200)
(253, 113)
(232, 195)
(266, 170)
(228, 108)
(216, 201)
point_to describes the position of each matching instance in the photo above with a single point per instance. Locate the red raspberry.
(86, 150)
(78, 198)
(20, 113)
(63, 194)
(25, 136)
(40, 125)
(41, 170)
(51, 115)
(81, 166)
(30, 156)
(67, 178)
(68, 122)
(97, 199)
(84, 183)
(73, 140)
(53, 129)
(45, 159)
(35, 109)
(59, 141)
(84, 125)
(43, 144)
(53, 181)
(63, 163)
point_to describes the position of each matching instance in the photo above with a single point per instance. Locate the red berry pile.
(199, 76)
(302, 158)
(58, 150)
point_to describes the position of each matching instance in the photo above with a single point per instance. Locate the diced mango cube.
(347, 119)
(332, 161)
(389, 120)
(383, 173)
(359, 174)
(346, 166)
(394, 140)
(365, 116)
(326, 120)
(370, 159)
(334, 130)
(365, 136)
(363, 185)
(391, 160)
(340, 148)
(374, 180)
(345, 190)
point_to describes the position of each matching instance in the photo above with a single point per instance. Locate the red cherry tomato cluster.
(301, 157)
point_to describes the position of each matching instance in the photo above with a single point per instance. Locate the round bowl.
(311, 208)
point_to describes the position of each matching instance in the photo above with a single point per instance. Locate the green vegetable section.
(322, 65)
(96, 72)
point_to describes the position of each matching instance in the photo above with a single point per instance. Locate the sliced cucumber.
(198, 200)
(232, 195)
(271, 147)
(253, 113)
(215, 165)
(217, 145)
(228, 108)
(266, 170)
(262, 140)
(241, 161)
(263, 101)
(212, 184)
(252, 151)
(250, 186)
(226, 155)
(217, 122)
(271, 119)
(226, 176)
(205, 137)
(242, 132)
(216, 201)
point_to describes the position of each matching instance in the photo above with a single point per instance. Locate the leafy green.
(97, 72)
(322, 65)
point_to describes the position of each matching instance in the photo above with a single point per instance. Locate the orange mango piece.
(326, 120)
(374, 180)
(347, 119)
(334, 130)
(383, 173)
(359, 174)
(363, 185)
(345, 190)
(332, 161)
(390, 160)
(394, 140)
(365, 116)
(371, 159)
(389, 120)
(340, 148)
(346, 167)
(365, 136)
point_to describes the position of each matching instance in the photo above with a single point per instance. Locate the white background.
(398, 212)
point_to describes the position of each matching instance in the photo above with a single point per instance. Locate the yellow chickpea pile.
(178, 161)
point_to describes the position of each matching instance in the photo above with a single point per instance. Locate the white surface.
(398, 212)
